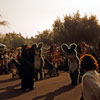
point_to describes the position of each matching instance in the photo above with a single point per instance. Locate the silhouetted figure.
(73, 62)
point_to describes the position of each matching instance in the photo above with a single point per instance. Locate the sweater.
(91, 85)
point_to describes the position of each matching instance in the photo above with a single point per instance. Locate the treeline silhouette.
(73, 28)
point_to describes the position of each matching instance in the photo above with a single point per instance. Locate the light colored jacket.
(91, 85)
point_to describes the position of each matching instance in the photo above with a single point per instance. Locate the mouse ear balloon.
(73, 46)
(64, 47)
(40, 45)
(34, 45)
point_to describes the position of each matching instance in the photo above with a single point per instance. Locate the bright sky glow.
(30, 16)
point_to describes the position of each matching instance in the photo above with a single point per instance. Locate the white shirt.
(91, 85)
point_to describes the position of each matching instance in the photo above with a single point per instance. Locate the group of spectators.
(53, 57)
(6, 66)
(55, 60)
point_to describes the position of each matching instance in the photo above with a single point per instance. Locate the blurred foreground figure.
(90, 79)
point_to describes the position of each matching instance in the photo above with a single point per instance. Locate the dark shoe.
(36, 79)
(72, 83)
(31, 88)
(41, 78)
(23, 88)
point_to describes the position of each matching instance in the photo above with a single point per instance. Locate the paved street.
(55, 88)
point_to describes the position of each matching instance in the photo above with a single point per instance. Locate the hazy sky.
(30, 16)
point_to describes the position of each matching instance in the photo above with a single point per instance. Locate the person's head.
(88, 62)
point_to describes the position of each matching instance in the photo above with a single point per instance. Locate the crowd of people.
(6, 66)
(76, 59)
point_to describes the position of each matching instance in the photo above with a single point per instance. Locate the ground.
(55, 88)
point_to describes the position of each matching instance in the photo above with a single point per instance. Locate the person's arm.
(94, 86)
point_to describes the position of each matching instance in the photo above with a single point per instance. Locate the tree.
(44, 37)
(14, 40)
(76, 29)
(58, 32)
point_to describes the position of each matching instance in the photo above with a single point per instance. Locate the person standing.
(56, 59)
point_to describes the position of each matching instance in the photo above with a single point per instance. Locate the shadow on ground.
(51, 95)
(11, 92)
(9, 80)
